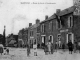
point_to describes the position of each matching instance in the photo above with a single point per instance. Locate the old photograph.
(39, 30)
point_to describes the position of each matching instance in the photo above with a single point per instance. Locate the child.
(7, 50)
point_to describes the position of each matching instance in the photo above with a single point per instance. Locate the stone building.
(33, 34)
(69, 24)
(62, 27)
(48, 30)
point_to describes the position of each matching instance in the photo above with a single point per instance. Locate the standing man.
(63, 47)
(75, 46)
(46, 49)
(52, 48)
(79, 46)
(56, 46)
(28, 49)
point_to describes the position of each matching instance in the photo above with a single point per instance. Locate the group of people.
(49, 48)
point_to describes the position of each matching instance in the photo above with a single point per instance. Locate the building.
(69, 20)
(12, 40)
(23, 37)
(48, 30)
(33, 35)
(62, 26)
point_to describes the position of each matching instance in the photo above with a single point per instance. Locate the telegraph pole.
(4, 39)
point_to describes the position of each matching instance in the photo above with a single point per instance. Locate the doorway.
(43, 41)
(70, 36)
(51, 38)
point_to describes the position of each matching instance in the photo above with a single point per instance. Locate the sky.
(17, 14)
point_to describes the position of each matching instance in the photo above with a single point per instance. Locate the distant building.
(23, 37)
(12, 40)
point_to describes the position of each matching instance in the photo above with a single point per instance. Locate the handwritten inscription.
(37, 3)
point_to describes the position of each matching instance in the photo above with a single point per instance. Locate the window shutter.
(72, 21)
(69, 22)
(56, 24)
(67, 38)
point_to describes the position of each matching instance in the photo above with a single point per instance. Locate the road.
(21, 54)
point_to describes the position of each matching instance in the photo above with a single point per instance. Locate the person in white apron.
(35, 48)
(59, 44)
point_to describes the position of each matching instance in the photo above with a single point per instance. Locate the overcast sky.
(17, 14)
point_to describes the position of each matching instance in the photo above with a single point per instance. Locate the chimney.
(30, 24)
(58, 11)
(37, 21)
(46, 17)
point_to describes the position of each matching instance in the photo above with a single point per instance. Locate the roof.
(34, 26)
(12, 42)
(63, 12)
(67, 10)
(50, 18)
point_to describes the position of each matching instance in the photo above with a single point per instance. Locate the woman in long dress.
(49, 47)
(70, 46)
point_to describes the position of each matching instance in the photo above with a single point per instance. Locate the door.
(43, 40)
(51, 38)
(70, 36)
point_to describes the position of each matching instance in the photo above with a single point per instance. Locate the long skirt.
(70, 49)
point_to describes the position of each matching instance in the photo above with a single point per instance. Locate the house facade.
(48, 30)
(61, 27)
(33, 35)
(69, 19)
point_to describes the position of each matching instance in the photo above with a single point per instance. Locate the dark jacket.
(70, 46)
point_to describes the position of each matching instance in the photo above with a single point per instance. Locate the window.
(70, 36)
(51, 38)
(58, 24)
(70, 21)
(59, 37)
(31, 33)
(50, 25)
(42, 28)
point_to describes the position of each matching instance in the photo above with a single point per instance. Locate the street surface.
(21, 54)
